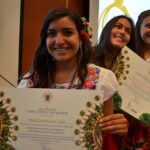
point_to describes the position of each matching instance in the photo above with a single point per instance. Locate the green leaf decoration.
(117, 100)
(145, 117)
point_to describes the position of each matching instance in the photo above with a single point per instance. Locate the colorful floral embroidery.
(90, 82)
(92, 78)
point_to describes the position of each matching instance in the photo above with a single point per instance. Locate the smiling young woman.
(62, 60)
(117, 33)
(142, 31)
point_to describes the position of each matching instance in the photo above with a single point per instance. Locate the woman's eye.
(51, 33)
(117, 26)
(147, 25)
(67, 32)
(128, 31)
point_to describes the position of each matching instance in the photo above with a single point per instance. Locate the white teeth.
(61, 49)
(119, 38)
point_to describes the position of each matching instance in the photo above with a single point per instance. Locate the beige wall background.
(93, 18)
(9, 40)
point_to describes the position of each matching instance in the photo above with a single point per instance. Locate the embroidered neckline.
(90, 81)
(64, 85)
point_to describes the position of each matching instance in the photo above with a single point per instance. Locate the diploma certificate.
(134, 79)
(50, 119)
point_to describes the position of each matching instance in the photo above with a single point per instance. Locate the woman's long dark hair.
(139, 41)
(104, 42)
(43, 63)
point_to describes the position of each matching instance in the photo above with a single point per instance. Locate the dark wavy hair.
(139, 41)
(43, 65)
(104, 42)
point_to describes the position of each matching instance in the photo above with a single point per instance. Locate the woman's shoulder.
(102, 69)
(105, 76)
(106, 82)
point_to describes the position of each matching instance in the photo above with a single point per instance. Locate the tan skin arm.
(113, 123)
(108, 107)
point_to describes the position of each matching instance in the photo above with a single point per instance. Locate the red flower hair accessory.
(86, 32)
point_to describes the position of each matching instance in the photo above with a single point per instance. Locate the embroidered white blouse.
(98, 78)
